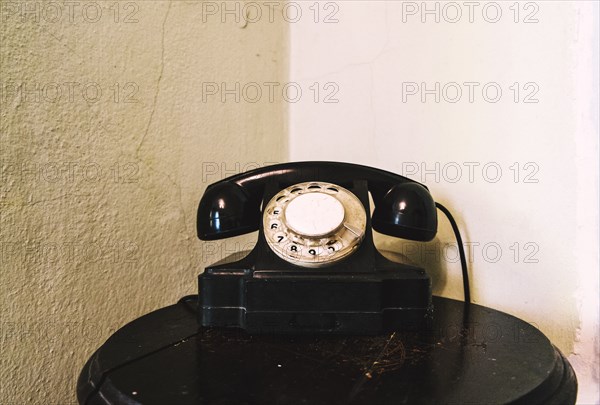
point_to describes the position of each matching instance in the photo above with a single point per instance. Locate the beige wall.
(98, 197)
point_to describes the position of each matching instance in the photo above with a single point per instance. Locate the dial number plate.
(314, 224)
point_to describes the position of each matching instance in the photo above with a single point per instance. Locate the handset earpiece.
(406, 211)
(227, 209)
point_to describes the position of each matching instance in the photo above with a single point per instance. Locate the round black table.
(467, 355)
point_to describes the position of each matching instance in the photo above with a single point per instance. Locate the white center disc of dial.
(314, 214)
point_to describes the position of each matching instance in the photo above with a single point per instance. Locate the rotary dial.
(314, 224)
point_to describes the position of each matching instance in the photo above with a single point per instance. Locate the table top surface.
(468, 355)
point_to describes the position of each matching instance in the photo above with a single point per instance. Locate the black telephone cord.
(461, 251)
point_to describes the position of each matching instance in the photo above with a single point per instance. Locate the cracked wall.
(107, 145)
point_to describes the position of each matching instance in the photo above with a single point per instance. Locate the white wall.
(545, 221)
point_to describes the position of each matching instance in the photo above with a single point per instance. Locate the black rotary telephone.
(314, 268)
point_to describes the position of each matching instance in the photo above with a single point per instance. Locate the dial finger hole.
(275, 225)
(333, 246)
(280, 238)
(275, 211)
(294, 250)
(314, 251)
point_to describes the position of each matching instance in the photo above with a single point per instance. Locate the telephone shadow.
(427, 255)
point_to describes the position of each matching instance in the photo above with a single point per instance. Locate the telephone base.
(343, 323)
(304, 301)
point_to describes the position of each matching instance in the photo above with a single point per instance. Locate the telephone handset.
(315, 268)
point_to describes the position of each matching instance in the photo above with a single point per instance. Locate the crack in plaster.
(147, 130)
(158, 81)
